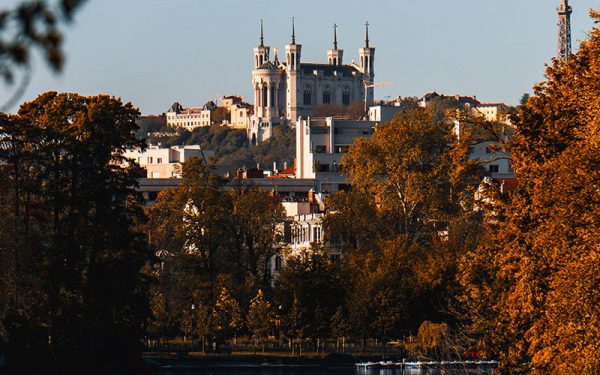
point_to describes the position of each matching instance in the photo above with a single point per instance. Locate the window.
(158, 160)
(155, 174)
(277, 263)
(327, 95)
(149, 159)
(342, 149)
(493, 168)
(346, 96)
(272, 97)
(320, 149)
(307, 95)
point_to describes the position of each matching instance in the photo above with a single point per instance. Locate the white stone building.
(190, 118)
(166, 162)
(494, 158)
(383, 112)
(240, 115)
(285, 90)
(492, 111)
(320, 145)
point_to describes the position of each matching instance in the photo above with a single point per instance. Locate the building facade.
(287, 89)
(166, 162)
(320, 146)
(190, 118)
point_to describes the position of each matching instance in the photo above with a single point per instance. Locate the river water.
(312, 371)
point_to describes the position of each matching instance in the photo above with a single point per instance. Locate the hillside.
(231, 146)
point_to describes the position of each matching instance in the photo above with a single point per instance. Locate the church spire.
(262, 38)
(367, 35)
(335, 36)
(293, 31)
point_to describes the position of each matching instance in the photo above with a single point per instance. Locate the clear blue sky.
(155, 52)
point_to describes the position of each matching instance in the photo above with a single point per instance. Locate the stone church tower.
(285, 91)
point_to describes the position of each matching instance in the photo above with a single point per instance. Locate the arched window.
(293, 61)
(272, 96)
(307, 95)
(327, 95)
(346, 96)
(264, 96)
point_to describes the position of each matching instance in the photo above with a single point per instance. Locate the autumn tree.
(219, 239)
(260, 316)
(351, 221)
(309, 289)
(414, 201)
(533, 288)
(77, 248)
(26, 27)
(226, 315)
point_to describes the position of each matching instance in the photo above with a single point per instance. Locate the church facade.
(290, 88)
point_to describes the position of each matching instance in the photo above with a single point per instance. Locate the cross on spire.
(367, 34)
(335, 36)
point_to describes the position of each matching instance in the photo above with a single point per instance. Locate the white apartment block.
(166, 162)
(383, 112)
(494, 158)
(320, 145)
(492, 111)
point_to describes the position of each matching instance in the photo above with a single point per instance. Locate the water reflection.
(319, 371)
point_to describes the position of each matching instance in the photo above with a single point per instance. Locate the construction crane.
(369, 84)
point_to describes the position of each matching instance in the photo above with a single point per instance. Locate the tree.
(539, 275)
(79, 231)
(226, 315)
(352, 221)
(32, 25)
(413, 178)
(221, 115)
(260, 316)
(309, 289)
(408, 166)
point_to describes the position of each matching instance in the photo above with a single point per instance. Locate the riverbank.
(175, 360)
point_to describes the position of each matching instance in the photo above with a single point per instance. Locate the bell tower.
(261, 53)
(367, 60)
(335, 55)
(367, 56)
(293, 53)
(564, 30)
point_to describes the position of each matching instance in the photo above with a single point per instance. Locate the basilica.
(289, 88)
